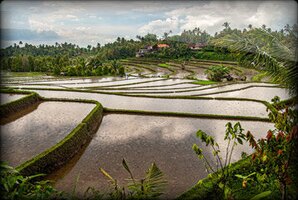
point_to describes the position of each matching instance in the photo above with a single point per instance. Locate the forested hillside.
(72, 60)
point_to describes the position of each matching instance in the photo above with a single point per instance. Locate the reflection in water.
(156, 83)
(239, 108)
(38, 130)
(142, 140)
(111, 83)
(262, 93)
(6, 98)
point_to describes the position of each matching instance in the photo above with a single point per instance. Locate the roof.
(162, 45)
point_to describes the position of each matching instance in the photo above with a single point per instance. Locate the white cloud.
(203, 22)
(82, 28)
(72, 17)
(211, 15)
(282, 14)
(40, 26)
(103, 21)
(160, 26)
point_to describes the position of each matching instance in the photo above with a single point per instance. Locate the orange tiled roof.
(162, 45)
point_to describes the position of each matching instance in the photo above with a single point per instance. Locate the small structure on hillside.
(160, 46)
(197, 46)
(149, 48)
(143, 51)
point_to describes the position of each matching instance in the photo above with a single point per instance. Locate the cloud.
(282, 14)
(211, 15)
(160, 26)
(103, 21)
(27, 34)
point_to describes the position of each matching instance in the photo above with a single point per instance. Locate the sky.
(92, 22)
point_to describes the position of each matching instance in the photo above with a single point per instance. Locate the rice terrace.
(173, 113)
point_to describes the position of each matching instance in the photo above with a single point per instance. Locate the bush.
(217, 73)
(15, 186)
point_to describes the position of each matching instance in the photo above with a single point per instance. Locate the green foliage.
(273, 154)
(258, 77)
(163, 65)
(204, 82)
(215, 55)
(267, 51)
(234, 134)
(15, 186)
(149, 187)
(262, 195)
(217, 72)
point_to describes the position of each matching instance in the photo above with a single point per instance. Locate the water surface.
(6, 98)
(201, 106)
(111, 83)
(262, 93)
(40, 129)
(141, 140)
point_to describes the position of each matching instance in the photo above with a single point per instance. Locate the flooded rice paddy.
(141, 140)
(6, 98)
(198, 106)
(40, 129)
(261, 93)
(110, 83)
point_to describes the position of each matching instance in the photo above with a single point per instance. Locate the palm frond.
(266, 52)
(110, 178)
(154, 182)
(151, 186)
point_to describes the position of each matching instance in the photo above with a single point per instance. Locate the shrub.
(217, 73)
(15, 186)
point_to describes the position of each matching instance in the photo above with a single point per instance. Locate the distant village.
(156, 47)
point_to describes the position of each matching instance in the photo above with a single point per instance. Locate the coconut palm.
(266, 52)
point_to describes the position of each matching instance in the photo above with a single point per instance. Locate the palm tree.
(89, 47)
(226, 25)
(267, 53)
(287, 28)
(165, 35)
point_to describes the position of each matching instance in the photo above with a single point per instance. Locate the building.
(159, 46)
(197, 46)
(149, 48)
(143, 51)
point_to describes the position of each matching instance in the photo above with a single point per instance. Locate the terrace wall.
(20, 104)
(59, 154)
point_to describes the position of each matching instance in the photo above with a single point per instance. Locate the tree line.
(73, 60)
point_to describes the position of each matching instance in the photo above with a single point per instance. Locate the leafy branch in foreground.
(261, 49)
(15, 186)
(234, 135)
(274, 154)
(150, 187)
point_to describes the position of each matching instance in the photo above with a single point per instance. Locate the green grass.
(258, 77)
(180, 114)
(206, 188)
(163, 65)
(204, 82)
(24, 74)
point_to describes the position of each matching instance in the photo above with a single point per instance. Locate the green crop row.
(179, 114)
(59, 154)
